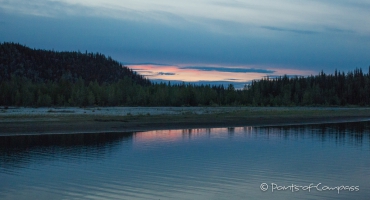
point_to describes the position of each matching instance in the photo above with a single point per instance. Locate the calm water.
(229, 163)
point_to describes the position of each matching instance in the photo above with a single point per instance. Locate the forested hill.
(42, 66)
(31, 77)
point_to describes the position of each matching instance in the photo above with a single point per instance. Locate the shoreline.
(88, 120)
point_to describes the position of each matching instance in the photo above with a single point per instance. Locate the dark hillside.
(42, 65)
(30, 77)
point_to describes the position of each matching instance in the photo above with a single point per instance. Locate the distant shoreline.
(68, 120)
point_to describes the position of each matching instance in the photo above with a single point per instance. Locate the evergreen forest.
(33, 78)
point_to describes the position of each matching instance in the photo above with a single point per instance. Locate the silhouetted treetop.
(43, 65)
(30, 77)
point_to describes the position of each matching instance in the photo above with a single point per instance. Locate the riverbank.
(24, 121)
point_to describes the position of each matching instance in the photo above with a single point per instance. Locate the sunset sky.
(219, 41)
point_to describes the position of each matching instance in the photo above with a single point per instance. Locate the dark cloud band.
(234, 70)
(166, 74)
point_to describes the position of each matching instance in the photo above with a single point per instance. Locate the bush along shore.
(26, 121)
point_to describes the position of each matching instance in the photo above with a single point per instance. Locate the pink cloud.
(179, 73)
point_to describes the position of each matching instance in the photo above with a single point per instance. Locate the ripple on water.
(228, 163)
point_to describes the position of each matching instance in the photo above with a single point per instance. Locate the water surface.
(220, 163)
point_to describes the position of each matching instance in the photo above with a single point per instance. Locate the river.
(327, 161)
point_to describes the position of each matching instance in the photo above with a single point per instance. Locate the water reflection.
(212, 163)
(17, 151)
(352, 133)
(355, 132)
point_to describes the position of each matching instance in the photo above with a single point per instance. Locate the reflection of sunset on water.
(143, 139)
(173, 136)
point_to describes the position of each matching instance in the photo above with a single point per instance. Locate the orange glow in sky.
(189, 74)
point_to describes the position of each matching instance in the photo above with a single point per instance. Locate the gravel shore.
(124, 111)
(64, 120)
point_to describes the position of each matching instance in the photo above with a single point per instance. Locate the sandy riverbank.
(14, 121)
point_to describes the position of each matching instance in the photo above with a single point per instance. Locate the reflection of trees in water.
(230, 132)
(17, 151)
(186, 133)
(351, 132)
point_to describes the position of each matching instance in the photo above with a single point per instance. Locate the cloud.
(146, 72)
(289, 30)
(232, 79)
(229, 69)
(306, 16)
(339, 30)
(212, 75)
(38, 7)
(166, 74)
(145, 63)
(306, 34)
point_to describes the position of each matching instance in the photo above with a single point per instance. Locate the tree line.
(30, 77)
(338, 89)
(21, 91)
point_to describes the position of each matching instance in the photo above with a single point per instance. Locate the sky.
(204, 41)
